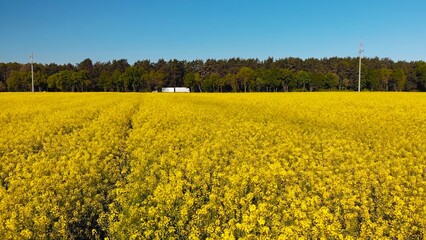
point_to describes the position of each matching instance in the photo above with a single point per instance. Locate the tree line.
(223, 75)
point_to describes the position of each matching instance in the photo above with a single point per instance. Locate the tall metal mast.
(361, 46)
(32, 72)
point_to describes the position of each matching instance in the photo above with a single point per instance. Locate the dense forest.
(224, 75)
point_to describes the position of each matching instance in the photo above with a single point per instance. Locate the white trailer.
(175, 89)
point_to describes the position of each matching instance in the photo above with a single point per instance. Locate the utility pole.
(32, 72)
(361, 46)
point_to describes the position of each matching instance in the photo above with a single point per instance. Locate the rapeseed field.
(213, 166)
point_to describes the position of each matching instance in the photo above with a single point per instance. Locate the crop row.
(197, 166)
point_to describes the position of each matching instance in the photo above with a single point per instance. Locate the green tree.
(317, 82)
(399, 79)
(105, 81)
(421, 76)
(3, 72)
(119, 65)
(245, 76)
(40, 81)
(261, 79)
(372, 79)
(175, 72)
(53, 82)
(132, 79)
(189, 80)
(116, 81)
(302, 78)
(2, 87)
(385, 75)
(18, 81)
(332, 81)
(250, 75)
(63, 81)
(270, 79)
(212, 82)
(285, 76)
(193, 80)
(87, 66)
(231, 80)
(155, 79)
(82, 81)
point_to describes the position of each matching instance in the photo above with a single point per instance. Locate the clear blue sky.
(68, 31)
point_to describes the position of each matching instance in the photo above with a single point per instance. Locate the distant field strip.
(219, 166)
